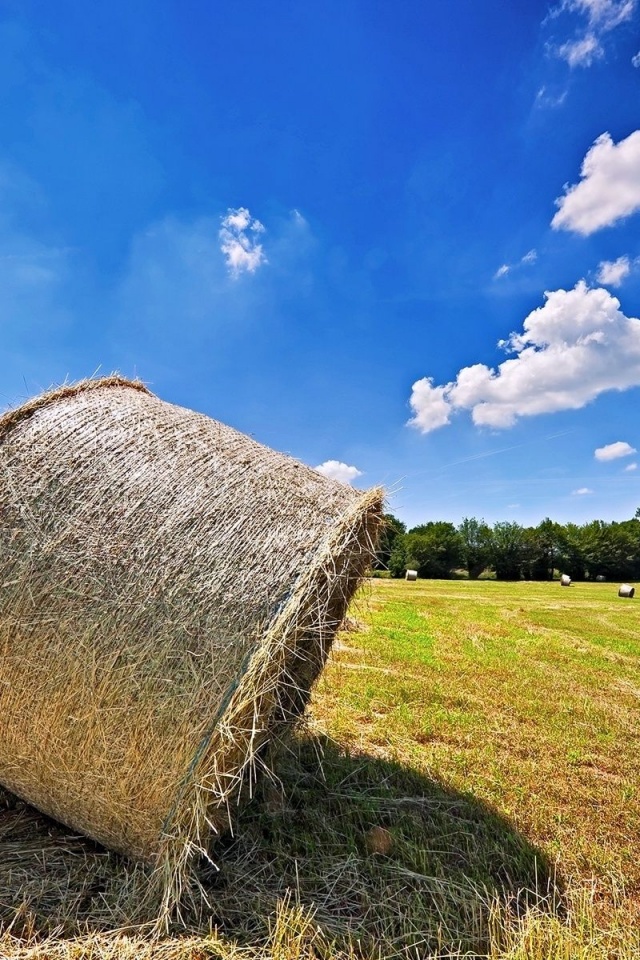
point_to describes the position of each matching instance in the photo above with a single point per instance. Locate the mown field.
(466, 785)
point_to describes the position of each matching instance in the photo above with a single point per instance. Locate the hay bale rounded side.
(170, 591)
(626, 591)
(565, 580)
(411, 575)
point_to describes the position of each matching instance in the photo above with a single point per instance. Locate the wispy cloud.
(575, 347)
(613, 451)
(336, 470)
(38, 280)
(609, 189)
(506, 268)
(630, 467)
(238, 242)
(548, 98)
(602, 16)
(582, 52)
(635, 60)
(174, 270)
(581, 492)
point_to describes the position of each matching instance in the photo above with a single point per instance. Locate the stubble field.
(466, 784)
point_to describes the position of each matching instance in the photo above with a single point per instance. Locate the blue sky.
(402, 237)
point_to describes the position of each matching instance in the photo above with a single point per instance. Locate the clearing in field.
(466, 785)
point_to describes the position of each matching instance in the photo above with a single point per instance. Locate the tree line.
(439, 549)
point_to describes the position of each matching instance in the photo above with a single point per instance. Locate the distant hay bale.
(565, 581)
(600, 578)
(411, 575)
(627, 591)
(170, 592)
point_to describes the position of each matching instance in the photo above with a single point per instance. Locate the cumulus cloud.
(612, 272)
(581, 492)
(336, 470)
(238, 242)
(635, 61)
(631, 466)
(576, 346)
(613, 451)
(502, 271)
(609, 189)
(430, 405)
(602, 16)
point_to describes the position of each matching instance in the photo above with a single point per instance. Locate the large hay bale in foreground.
(169, 592)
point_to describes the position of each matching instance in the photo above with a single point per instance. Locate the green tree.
(434, 549)
(398, 559)
(390, 554)
(508, 550)
(610, 550)
(546, 547)
(475, 538)
(572, 560)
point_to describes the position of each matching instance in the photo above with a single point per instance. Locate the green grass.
(491, 730)
(526, 695)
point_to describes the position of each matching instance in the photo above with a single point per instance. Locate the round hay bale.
(411, 575)
(600, 578)
(170, 592)
(565, 581)
(627, 591)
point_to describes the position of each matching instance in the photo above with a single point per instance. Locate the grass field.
(467, 784)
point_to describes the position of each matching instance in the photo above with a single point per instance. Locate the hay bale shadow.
(379, 853)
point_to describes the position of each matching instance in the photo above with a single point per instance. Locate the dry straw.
(169, 591)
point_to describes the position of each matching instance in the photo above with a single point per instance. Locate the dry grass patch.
(494, 751)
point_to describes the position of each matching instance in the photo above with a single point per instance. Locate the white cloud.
(171, 273)
(635, 61)
(237, 220)
(609, 189)
(576, 346)
(602, 17)
(430, 406)
(613, 272)
(581, 52)
(605, 14)
(238, 242)
(506, 268)
(581, 492)
(613, 451)
(631, 466)
(335, 470)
